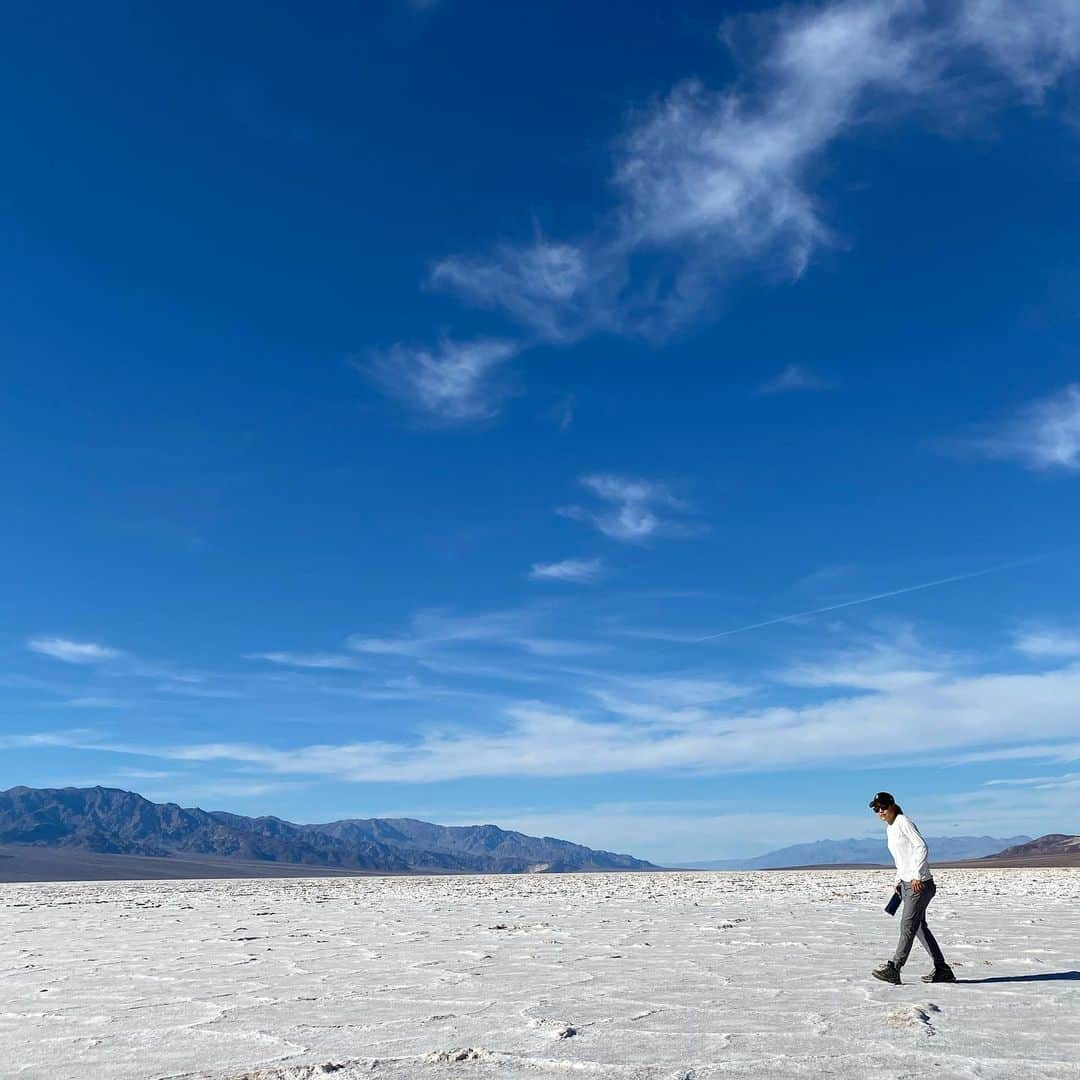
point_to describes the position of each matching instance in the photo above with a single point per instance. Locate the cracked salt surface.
(637, 977)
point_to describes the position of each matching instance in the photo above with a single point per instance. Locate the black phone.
(894, 903)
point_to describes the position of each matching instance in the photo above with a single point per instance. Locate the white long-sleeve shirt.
(908, 849)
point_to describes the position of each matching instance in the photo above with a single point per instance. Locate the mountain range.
(871, 850)
(109, 821)
(101, 833)
(1053, 845)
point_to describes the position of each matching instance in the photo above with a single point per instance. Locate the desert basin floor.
(638, 976)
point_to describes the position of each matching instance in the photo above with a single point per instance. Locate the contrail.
(867, 599)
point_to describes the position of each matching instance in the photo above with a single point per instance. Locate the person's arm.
(919, 853)
(896, 863)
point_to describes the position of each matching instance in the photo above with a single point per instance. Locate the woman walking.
(916, 888)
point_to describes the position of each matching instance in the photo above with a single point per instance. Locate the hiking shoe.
(944, 974)
(888, 972)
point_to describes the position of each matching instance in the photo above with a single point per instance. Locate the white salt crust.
(637, 977)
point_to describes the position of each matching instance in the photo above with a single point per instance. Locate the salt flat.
(690, 975)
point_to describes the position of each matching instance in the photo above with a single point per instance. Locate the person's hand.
(916, 886)
(896, 887)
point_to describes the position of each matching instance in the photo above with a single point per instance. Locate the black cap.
(882, 801)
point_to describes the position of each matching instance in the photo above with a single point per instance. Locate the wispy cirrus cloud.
(632, 510)
(314, 661)
(1035, 42)
(1045, 435)
(941, 715)
(712, 183)
(563, 413)
(696, 722)
(667, 701)
(793, 377)
(547, 286)
(455, 383)
(877, 666)
(71, 737)
(73, 652)
(709, 183)
(1037, 751)
(578, 571)
(1046, 642)
(432, 630)
(194, 690)
(435, 633)
(408, 688)
(1044, 783)
(92, 702)
(124, 670)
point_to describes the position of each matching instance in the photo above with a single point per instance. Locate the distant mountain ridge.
(865, 850)
(1053, 844)
(113, 821)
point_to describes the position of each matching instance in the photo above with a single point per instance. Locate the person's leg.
(911, 919)
(927, 939)
(929, 943)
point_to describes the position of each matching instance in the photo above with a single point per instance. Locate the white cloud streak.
(1046, 434)
(889, 667)
(454, 384)
(944, 714)
(577, 571)
(435, 632)
(667, 701)
(636, 510)
(73, 652)
(408, 688)
(432, 630)
(314, 661)
(72, 737)
(794, 377)
(1042, 783)
(1055, 751)
(1035, 42)
(713, 183)
(1049, 643)
(190, 690)
(91, 702)
(546, 286)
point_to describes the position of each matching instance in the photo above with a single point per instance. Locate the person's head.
(885, 806)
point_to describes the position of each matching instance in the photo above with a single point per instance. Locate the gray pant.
(913, 924)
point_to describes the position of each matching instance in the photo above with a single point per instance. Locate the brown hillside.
(1051, 845)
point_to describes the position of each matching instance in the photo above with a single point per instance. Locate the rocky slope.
(112, 821)
(1053, 844)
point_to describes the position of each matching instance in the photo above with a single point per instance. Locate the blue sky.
(491, 413)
